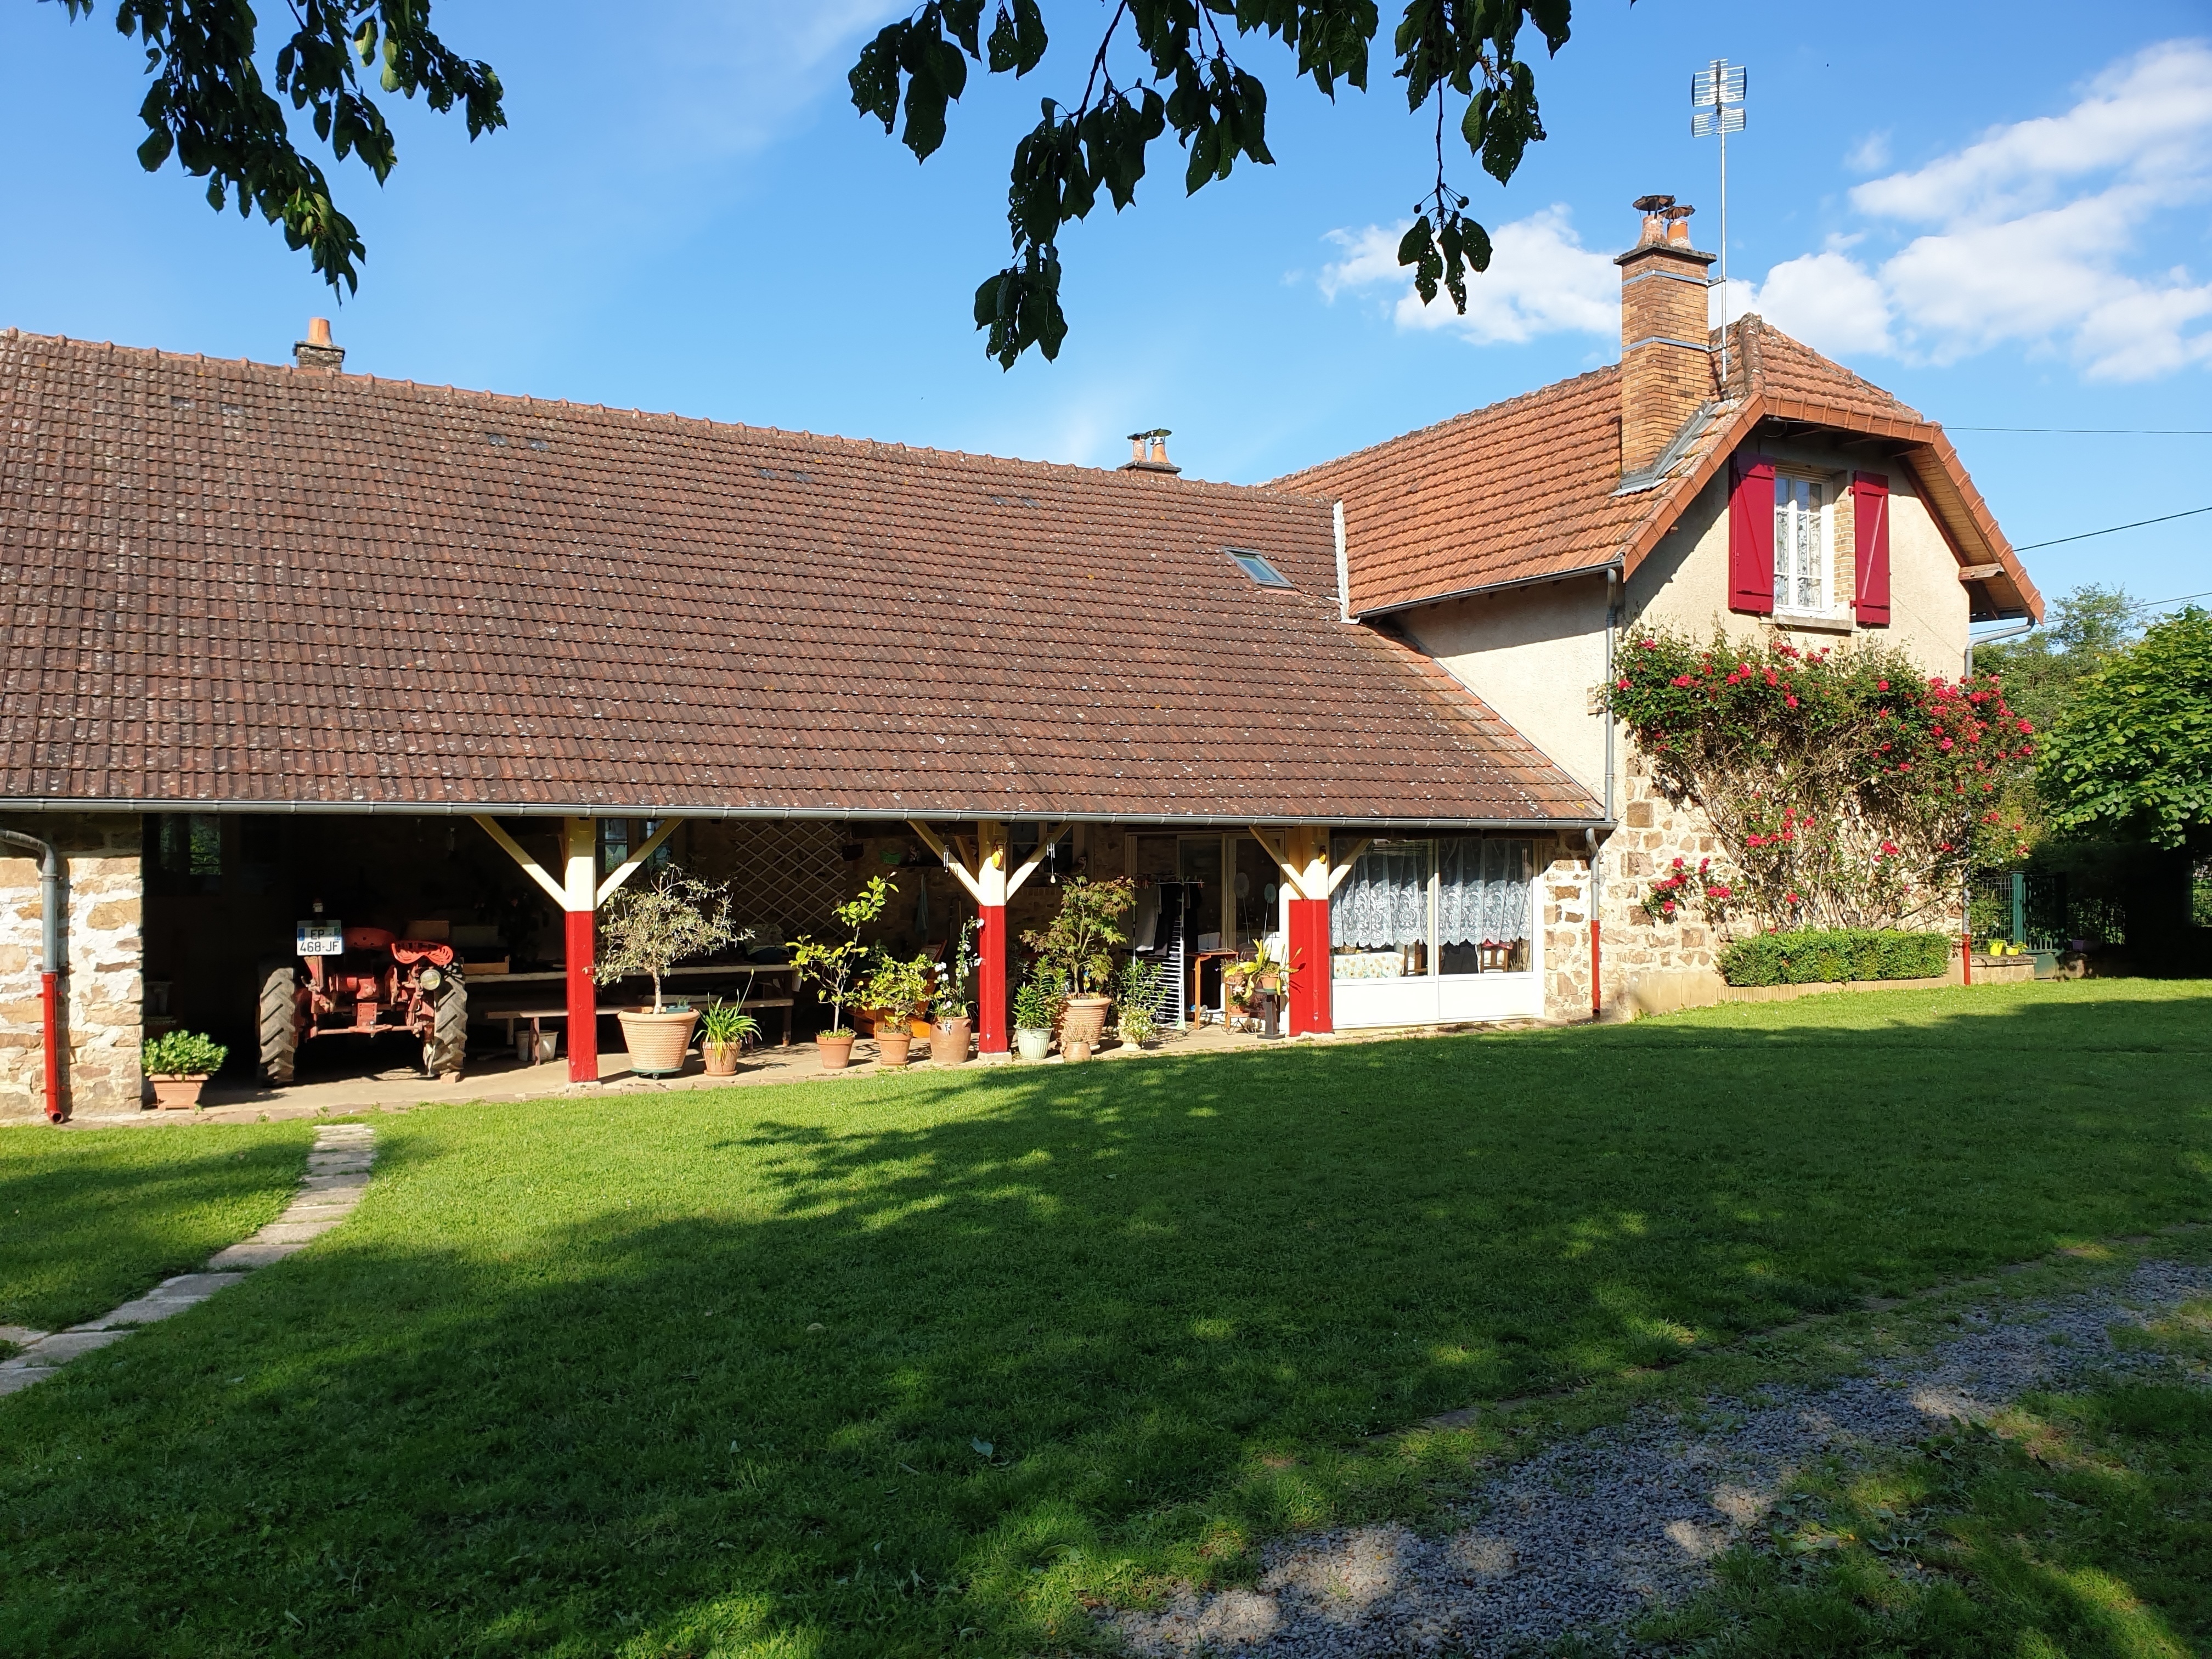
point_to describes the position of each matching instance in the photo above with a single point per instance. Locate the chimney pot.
(1148, 453)
(316, 352)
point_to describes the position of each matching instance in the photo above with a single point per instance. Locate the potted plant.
(952, 1001)
(1077, 947)
(829, 968)
(1140, 991)
(895, 990)
(724, 1029)
(648, 930)
(1259, 975)
(179, 1064)
(1036, 1003)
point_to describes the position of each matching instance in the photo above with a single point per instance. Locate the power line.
(2152, 604)
(2166, 518)
(2100, 431)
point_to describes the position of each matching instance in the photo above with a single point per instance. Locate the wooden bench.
(539, 1016)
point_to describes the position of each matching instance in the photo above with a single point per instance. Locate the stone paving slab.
(337, 1177)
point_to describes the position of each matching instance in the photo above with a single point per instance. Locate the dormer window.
(1803, 518)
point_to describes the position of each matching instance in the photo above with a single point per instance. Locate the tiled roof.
(226, 582)
(1530, 488)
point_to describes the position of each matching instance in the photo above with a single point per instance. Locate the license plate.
(319, 938)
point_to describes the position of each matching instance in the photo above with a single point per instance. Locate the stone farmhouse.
(285, 643)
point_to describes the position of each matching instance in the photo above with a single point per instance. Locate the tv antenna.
(1717, 100)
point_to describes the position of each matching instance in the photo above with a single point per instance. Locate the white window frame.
(1787, 575)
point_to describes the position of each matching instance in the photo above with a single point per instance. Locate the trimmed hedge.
(1816, 956)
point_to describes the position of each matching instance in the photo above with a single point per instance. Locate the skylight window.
(1257, 567)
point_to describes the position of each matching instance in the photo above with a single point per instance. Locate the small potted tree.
(952, 1002)
(1036, 1005)
(829, 968)
(1079, 948)
(648, 930)
(179, 1064)
(895, 991)
(724, 1029)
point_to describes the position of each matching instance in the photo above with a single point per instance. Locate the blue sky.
(687, 214)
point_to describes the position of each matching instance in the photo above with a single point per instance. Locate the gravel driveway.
(1592, 1531)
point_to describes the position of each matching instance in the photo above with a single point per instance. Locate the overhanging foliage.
(2132, 754)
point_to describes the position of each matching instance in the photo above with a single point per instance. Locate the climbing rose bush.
(1849, 790)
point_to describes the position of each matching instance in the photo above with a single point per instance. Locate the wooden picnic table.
(746, 972)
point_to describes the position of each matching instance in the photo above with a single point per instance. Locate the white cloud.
(1541, 280)
(1870, 153)
(2024, 236)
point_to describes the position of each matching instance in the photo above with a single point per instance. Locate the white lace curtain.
(1482, 897)
(1385, 900)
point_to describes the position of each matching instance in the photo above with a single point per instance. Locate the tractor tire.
(280, 1019)
(447, 1046)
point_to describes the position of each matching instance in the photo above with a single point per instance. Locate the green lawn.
(2079, 1524)
(914, 1365)
(91, 1217)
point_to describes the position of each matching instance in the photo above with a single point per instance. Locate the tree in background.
(2041, 671)
(2130, 756)
(209, 108)
(1165, 65)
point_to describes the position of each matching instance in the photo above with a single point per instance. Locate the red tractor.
(363, 981)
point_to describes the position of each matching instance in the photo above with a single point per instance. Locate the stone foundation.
(104, 984)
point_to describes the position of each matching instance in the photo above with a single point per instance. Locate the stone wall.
(105, 989)
(1563, 898)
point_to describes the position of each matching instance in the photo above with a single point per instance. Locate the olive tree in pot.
(897, 990)
(1078, 947)
(952, 1002)
(829, 968)
(179, 1064)
(647, 931)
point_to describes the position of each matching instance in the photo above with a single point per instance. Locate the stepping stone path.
(338, 1175)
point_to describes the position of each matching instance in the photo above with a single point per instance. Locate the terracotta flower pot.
(1085, 1021)
(177, 1093)
(835, 1049)
(1077, 1050)
(892, 1044)
(657, 1042)
(948, 1043)
(721, 1058)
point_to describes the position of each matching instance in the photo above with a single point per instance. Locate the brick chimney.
(316, 352)
(1666, 365)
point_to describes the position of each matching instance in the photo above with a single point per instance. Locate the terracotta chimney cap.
(1148, 451)
(317, 351)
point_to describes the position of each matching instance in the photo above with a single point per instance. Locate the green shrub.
(1829, 956)
(182, 1054)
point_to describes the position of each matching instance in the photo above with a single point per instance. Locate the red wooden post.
(1311, 967)
(991, 981)
(583, 1001)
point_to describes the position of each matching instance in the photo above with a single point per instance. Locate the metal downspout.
(51, 935)
(1596, 856)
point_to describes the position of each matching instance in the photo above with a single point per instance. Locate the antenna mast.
(1717, 100)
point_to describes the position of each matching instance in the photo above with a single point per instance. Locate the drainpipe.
(51, 935)
(1597, 858)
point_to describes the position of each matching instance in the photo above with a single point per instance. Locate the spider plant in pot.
(952, 1001)
(646, 930)
(829, 968)
(1078, 946)
(724, 1029)
(897, 989)
(179, 1064)
(1036, 1005)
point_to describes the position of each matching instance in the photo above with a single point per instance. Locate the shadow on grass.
(921, 1363)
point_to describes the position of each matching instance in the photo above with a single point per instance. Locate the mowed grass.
(91, 1217)
(920, 1364)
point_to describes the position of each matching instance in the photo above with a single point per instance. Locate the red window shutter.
(1751, 535)
(1870, 530)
